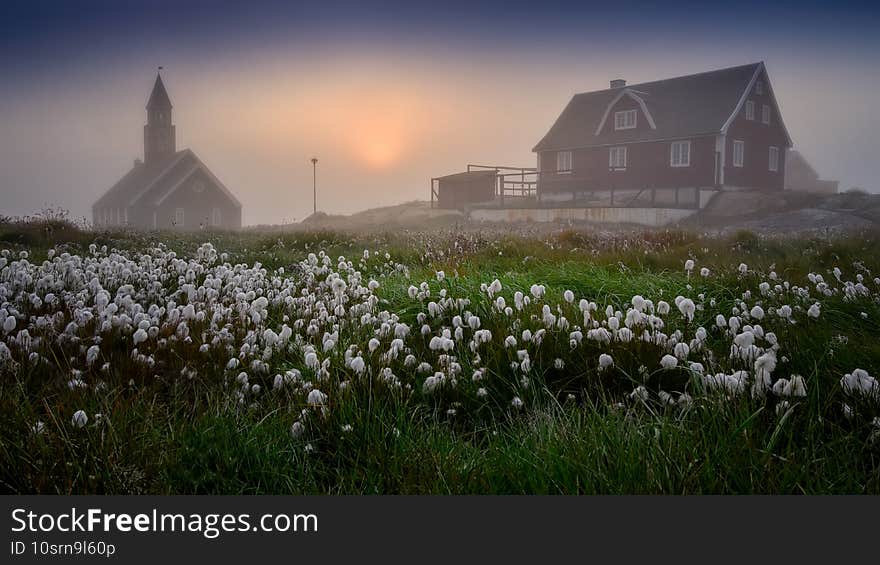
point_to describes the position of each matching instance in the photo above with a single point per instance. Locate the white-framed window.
(765, 114)
(739, 151)
(625, 119)
(750, 110)
(774, 159)
(680, 154)
(216, 217)
(179, 217)
(617, 157)
(563, 162)
(759, 87)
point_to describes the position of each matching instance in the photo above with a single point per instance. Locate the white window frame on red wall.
(773, 159)
(625, 119)
(680, 154)
(739, 150)
(563, 162)
(617, 158)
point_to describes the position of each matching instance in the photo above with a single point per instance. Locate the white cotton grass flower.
(79, 419)
(687, 308)
(297, 429)
(689, 266)
(860, 382)
(669, 362)
(537, 290)
(568, 296)
(796, 387)
(494, 288)
(316, 398)
(432, 383)
(311, 360)
(139, 336)
(92, 355)
(640, 394)
(358, 365)
(605, 361)
(681, 350)
(517, 402)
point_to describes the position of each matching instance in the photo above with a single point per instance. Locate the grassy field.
(470, 361)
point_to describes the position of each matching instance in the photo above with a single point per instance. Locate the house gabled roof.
(198, 165)
(149, 184)
(139, 178)
(681, 107)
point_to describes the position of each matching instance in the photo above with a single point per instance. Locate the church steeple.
(159, 135)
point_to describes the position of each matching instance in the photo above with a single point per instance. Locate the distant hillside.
(414, 214)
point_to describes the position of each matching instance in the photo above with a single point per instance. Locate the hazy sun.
(383, 131)
(379, 152)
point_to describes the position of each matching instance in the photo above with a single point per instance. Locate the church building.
(169, 189)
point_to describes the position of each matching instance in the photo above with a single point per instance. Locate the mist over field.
(387, 97)
(672, 302)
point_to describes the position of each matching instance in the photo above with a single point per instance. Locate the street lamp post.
(314, 185)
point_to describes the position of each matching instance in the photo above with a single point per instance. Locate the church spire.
(159, 135)
(159, 97)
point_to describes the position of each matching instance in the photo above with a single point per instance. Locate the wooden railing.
(519, 186)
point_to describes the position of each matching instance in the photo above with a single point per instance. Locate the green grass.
(164, 434)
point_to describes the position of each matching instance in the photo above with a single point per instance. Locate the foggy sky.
(387, 97)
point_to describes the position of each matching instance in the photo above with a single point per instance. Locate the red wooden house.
(671, 139)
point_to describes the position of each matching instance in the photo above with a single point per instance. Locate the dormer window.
(625, 119)
(750, 110)
(765, 114)
(759, 87)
